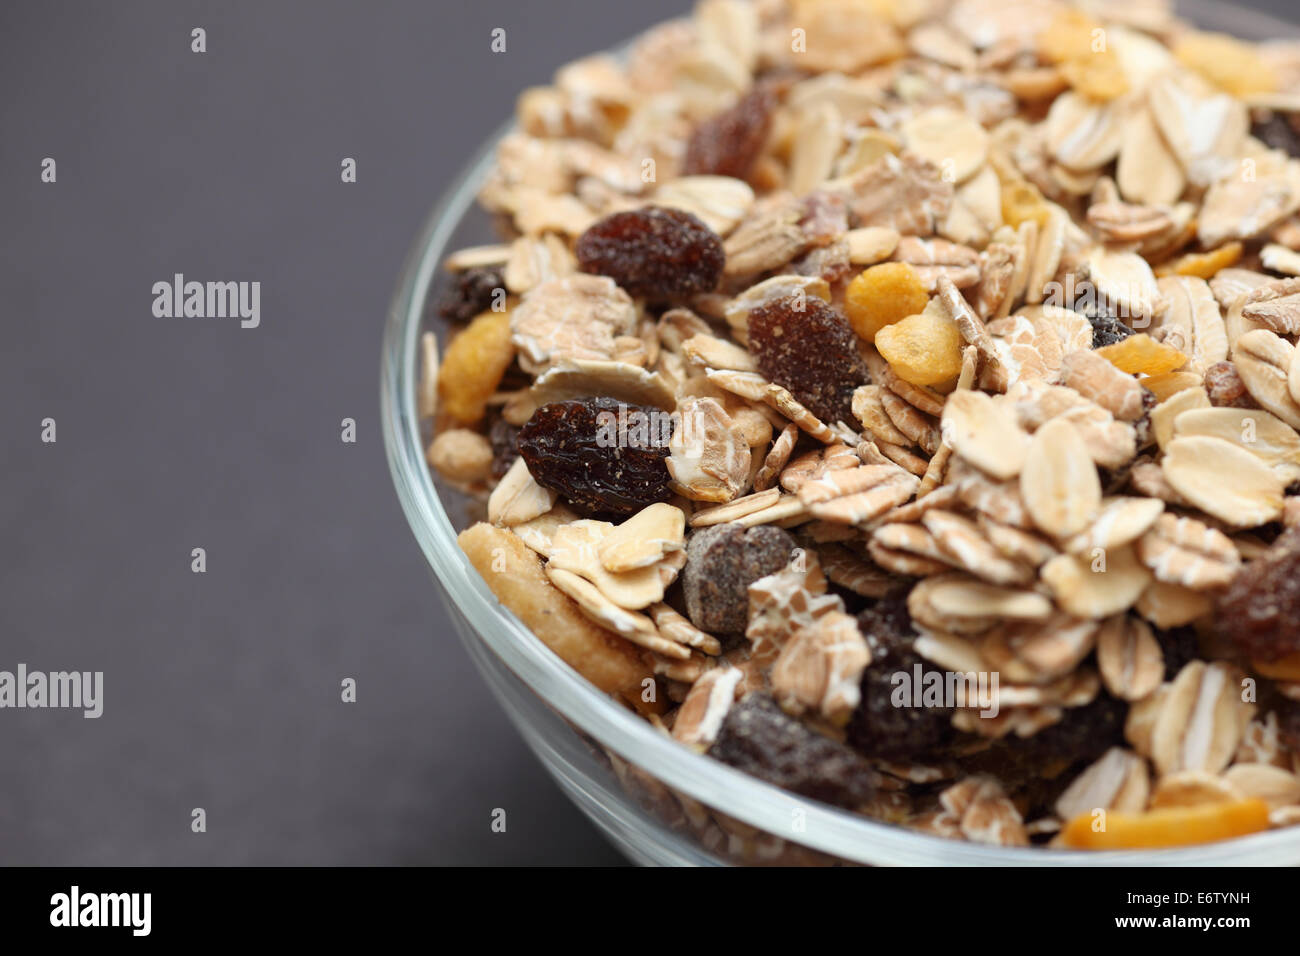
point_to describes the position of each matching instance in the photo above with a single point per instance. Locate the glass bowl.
(659, 802)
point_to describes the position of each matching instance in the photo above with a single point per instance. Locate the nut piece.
(1187, 552)
(1195, 467)
(1129, 657)
(461, 456)
(820, 668)
(643, 539)
(1059, 482)
(1118, 781)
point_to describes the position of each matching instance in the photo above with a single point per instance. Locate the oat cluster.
(841, 341)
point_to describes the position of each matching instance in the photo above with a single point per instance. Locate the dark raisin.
(470, 292)
(1081, 736)
(803, 344)
(1145, 432)
(721, 563)
(504, 438)
(1225, 387)
(1107, 330)
(1260, 611)
(1277, 133)
(762, 740)
(1288, 721)
(655, 252)
(879, 728)
(728, 143)
(1180, 647)
(602, 455)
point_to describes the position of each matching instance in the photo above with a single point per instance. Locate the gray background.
(222, 689)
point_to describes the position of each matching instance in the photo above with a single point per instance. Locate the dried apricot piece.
(923, 349)
(1174, 826)
(882, 295)
(475, 363)
(1141, 353)
(1225, 61)
(1203, 265)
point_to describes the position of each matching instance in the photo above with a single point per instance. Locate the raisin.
(804, 345)
(470, 293)
(1260, 611)
(1288, 722)
(504, 438)
(654, 252)
(1180, 647)
(1276, 132)
(604, 456)
(728, 143)
(762, 740)
(877, 727)
(1107, 330)
(721, 563)
(1225, 387)
(1081, 736)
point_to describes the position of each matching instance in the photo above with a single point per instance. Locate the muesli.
(898, 400)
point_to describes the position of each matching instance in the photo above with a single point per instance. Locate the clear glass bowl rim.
(833, 831)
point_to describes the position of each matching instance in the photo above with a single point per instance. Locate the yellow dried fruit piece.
(1173, 826)
(922, 349)
(882, 295)
(1171, 383)
(474, 365)
(1021, 201)
(1203, 265)
(1227, 62)
(1098, 76)
(1070, 35)
(1141, 354)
